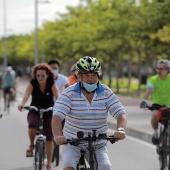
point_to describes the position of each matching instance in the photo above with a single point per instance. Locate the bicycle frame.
(91, 159)
(90, 147)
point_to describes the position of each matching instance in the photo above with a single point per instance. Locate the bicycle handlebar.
(154, 107)
(163, 112)
(38, 109)
(76, 141)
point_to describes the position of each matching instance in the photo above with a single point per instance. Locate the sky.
(20, 14)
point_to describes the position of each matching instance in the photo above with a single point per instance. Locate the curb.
(134, 133)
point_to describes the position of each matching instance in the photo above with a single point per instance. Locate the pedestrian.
(42, 88)
(85, 106)
(159, 87)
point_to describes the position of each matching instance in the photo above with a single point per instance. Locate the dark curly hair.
(42, 66)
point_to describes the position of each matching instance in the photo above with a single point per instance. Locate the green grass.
(123, 84)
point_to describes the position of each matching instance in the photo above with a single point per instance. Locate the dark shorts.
(33, 120)
(7, 89)
(157, 106)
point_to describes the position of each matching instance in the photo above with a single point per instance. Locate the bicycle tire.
(7, 103)
(39, 155)
(56, 154)
(164, 151)
(168, 150)
(160, 148)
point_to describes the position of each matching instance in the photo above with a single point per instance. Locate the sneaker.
(155, 138)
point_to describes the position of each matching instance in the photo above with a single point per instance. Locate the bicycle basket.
(164, 114)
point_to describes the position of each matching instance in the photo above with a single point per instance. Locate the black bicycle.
(56, 154)
(40, 159)
(163, 143)
(88, 160)
(7, 102)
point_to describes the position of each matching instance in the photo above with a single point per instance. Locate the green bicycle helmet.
(88, 65)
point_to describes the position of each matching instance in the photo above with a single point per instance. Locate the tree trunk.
(129, 73)
(139, 72)
(109, 74)
(117, 75)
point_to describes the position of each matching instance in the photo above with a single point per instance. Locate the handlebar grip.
(68, 140)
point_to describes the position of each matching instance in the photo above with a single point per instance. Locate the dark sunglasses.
(40, 75)
(157, 69)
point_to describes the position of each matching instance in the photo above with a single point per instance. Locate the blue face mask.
(55, 72)
(90, 87)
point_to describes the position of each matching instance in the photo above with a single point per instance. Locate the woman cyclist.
(42, 88)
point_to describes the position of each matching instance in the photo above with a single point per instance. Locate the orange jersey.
(72, 80)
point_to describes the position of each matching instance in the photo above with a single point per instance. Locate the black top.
(45, 99)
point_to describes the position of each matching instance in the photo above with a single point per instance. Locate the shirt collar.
(78, 89)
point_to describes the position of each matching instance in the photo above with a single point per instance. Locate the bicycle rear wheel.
(7, 103)
(39, 155)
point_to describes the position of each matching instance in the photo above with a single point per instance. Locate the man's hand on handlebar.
(143, 104)
(20, 107)
(60, 140)
(119, 134)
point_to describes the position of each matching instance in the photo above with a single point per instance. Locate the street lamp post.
(5, 46)
(36, 33)
(36, 59)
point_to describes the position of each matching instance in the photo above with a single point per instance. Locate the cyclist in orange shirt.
(74, 77)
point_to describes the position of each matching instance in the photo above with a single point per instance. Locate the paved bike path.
(138, 124)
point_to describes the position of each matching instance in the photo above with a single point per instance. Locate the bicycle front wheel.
(168, 149)
(39, 155)
(165, 153)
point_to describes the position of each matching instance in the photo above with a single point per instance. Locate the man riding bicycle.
(159, 86)
(8, 83)
(85, 106)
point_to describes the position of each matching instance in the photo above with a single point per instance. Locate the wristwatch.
(120, 129)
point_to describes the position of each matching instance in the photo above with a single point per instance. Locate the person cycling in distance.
(8, 83)
(42, 88)
(73, 78)
(159, 86)
(85, 106)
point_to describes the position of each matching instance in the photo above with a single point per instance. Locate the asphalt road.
(130, 154)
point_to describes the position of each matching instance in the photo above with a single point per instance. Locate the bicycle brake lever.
(112, 141)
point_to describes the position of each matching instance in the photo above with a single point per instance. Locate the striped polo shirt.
(80, 115)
